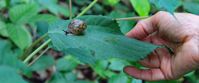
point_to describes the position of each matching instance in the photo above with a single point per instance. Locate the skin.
(180, 33)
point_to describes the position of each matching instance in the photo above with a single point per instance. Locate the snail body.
(76, 27)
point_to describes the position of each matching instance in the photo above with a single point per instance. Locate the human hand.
(181, 34)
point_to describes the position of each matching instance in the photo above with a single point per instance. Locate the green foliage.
(68, 78)
(23, 13)
(121, 78)
(9, 75)
(118, 64)
(3, 30)
(54, 8)
(2, 4)
(168, 5)
(43, 63)
(43, 18)
(101, 40)
(111, 2)
(18, 33)
(10, 66)
(125, 26)
(191, 6)
(142, 7)
(66, 64)
(101, 68)
(8, 58)
(102, 51)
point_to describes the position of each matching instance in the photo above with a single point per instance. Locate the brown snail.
(76, 27)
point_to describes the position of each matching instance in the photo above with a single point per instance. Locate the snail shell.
(76, 27)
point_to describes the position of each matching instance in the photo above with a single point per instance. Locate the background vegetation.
(34, 48)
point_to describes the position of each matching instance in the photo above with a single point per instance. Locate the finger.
(148, 74)
(143, 29)
(154, 39)
(152, 61)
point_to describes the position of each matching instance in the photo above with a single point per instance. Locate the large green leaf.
(192, 7)
(111, 2)
(142, 7)
(168, 5)
(22, 13)
(114, 63)
(58, 77)
(43, 17)
(102, 40)
(51, 5)
(66, 64)
(9, 58)
(43, 63)
(125, 26)
(2, 4)
(55, 8)
(102, 69)
(3, 29)
(19, 35)
(9, 75)
(120, 78)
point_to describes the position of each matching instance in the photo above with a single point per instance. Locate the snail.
(76, 27)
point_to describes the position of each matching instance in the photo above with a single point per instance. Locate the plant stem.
(37, 50)
(36, 42)
(70, 8)
(132, 18)
(38, 56)
(7, 3)
(87, 8)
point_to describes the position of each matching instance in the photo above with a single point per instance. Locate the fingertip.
(142, 29)
(133, 33)
(130, 34)
(147, 74)
(137, 32)
(132, 71)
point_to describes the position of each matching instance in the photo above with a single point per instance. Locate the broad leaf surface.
(192, 7)
(3, 29)
(19, 35)
(9, 58)
(22, 13)
(43, 17)
(101, 40)
(120, 78)
(125, 26)
(10, 75)
(111, 2)
(168, 5)
(59, 77)
(142, 7)
(43, 63)
(66, 64)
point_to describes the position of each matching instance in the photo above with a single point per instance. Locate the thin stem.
(37, 50)
(36, 42)
(70, 8)
(132, 18)
(7, 3)
(87, 8)
(38, 56)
